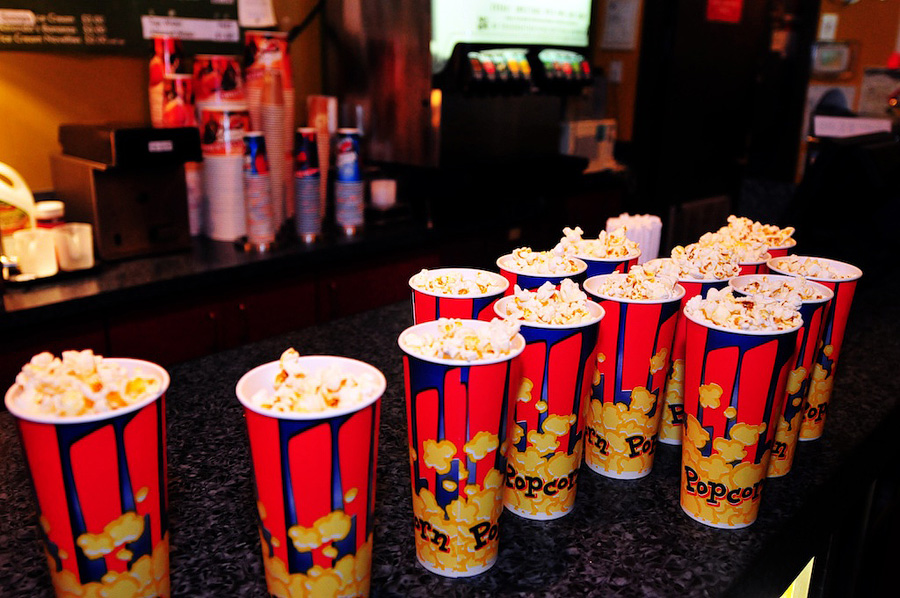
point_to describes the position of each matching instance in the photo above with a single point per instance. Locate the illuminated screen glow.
(538, 22)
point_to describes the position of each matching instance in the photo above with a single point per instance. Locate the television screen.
(538, 22)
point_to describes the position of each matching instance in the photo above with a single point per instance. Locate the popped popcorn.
(463, 341)
(638, 284)
(607, 245)
(745, 229)
(696, 261)
(552, 263)
(753, 313)
(299, 389)
(549, 305)
(784, 288)
(79, 383)
(811, 267)
(463, 281)
(747, 251)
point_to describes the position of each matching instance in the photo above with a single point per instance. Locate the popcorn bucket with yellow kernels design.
(734, 391)
(315, 486)
(100, 483)
(633, 359)
(815, 408)
(546, 438)
(428, 305)
(458, 415)
(672, 425)
(527, 280)
(788, 432)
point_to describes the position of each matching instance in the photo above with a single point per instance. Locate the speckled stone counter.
(624, 538)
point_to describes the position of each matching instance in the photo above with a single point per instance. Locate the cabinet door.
(368, 286)
(165, 335)
(276, 309)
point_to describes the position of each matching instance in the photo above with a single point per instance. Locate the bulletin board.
(117, 26)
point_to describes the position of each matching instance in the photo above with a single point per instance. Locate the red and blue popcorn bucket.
(315, 486)
(783, 250)
(813, 314)
(734, 391)
(458, 416)
(672, 425)
(100, 483)
(429, 306)
(757, 267)
(597, 266)
(822, 376)
(546, 438)
(633, 358)
(534, 281)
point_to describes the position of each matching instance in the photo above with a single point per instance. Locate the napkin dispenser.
(129, 182)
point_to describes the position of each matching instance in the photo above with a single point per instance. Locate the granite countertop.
(624, 538)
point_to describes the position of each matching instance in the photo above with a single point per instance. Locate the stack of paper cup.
(272, 112)
(168, 56)
(222, 130)
(266, 51)
(643, 229)
(322, 113)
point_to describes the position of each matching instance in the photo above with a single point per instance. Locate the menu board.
(118, 26)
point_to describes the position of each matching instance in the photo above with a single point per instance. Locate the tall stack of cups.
(222, 128)
(308, 209)
(217, 80)
(348, 184)
(261, 226)
(266, 50)
(271, 114)
(167, 59)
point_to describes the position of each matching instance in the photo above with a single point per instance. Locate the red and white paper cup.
(826, 360)
(633, 358)
(813, 313)
(100, 483)
(458, 415)
(431, 304)
(315, 486)
(734, 391)
(546, 441)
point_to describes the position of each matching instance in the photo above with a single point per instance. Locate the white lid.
(50, 209)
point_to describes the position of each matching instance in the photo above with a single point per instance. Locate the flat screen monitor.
(529, 22)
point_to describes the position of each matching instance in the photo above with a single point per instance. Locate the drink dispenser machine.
(461, 82)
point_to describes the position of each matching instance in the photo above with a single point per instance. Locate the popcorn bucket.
(458, 415)
(315, 487)
(835, 323)
(672, 425)
(599, 266)
(100, 484)
(546, 436)
(428, 306)
(533, 281)
(783, 250)
(633, 359)
(757, 267)
(734, 393)
(813, 314)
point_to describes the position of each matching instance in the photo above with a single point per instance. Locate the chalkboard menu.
(117, 26)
